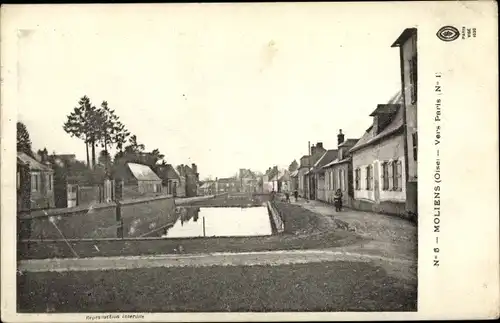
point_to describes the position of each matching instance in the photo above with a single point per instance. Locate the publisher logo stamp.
(448, 33)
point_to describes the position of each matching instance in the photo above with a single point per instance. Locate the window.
(369, 177)
(414, 137)
(385, 176)
(331, 179)
(357, 178)
(397, 175)
(34, 182)
(49, 181)
(413, 78)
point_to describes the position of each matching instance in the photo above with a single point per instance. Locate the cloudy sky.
(222, 86)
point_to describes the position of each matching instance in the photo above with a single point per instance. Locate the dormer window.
(383, 115)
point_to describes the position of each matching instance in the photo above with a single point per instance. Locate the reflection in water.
(220, 222)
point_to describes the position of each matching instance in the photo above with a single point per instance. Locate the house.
(309, 178)
(207, 188)
(248, 180)
(378, 161)
(171, 180)
(227, 185)
(270, 180)
(35, 183)
(338, 173)
(281, 182)
(318, 173)
(304, 167)
(407, 43)
(138, 180)
(191, 178)
(294, 180)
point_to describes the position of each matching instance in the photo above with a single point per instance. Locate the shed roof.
(32, 162)
(142, 172)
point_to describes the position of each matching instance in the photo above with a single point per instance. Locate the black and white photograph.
(231, 158)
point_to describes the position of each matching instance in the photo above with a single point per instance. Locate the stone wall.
(139, 217)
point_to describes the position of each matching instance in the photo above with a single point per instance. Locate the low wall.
(89, 195)
(276, 221)
(187, 200)
(143, 217)
(139, 217)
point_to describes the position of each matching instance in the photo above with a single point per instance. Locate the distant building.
(190, 176)
(171, 180)
(281, 182)
(227, 185)
(309, 178)
(35, 183)
(304, 167)
(378, 161)
(207, 188)
(338, 173)
(248, 180)
(294, 180)
(318, 172)
(139, 179)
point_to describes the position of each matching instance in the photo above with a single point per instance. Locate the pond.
(221, 222)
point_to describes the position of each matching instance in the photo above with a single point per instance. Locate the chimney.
(313, 150)
(195, 168)
(340, 137)
(319, 146)
(309, 148)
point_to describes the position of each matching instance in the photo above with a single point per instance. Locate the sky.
(225, 87)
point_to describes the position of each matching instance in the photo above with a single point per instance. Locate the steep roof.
(396, 124)
(336, 162)
(32, 162)
(167, 172)
(326, 158)
(349, 142)
(142, 172)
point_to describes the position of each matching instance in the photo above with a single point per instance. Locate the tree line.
(97, 127)
(101, 127)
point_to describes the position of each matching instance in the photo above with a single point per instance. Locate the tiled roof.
(168, 172)
(143, 172)
(395, 125)
(326, 158)
(32, 162)
(336, 162)
(349, 142)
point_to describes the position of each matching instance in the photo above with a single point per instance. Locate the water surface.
(221, 222)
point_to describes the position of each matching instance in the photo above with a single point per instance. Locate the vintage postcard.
(249, 162)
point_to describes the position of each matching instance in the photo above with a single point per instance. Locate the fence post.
(119, 222)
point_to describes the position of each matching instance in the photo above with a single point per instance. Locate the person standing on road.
(296, 195)
(287, 195)
(337, 200)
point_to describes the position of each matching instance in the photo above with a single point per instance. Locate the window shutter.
(384, 165)
(390, 171)
(400, 175)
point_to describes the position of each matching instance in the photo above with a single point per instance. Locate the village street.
(375, 272)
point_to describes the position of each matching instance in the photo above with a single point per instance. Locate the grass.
(41, 250)
(328, 286)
